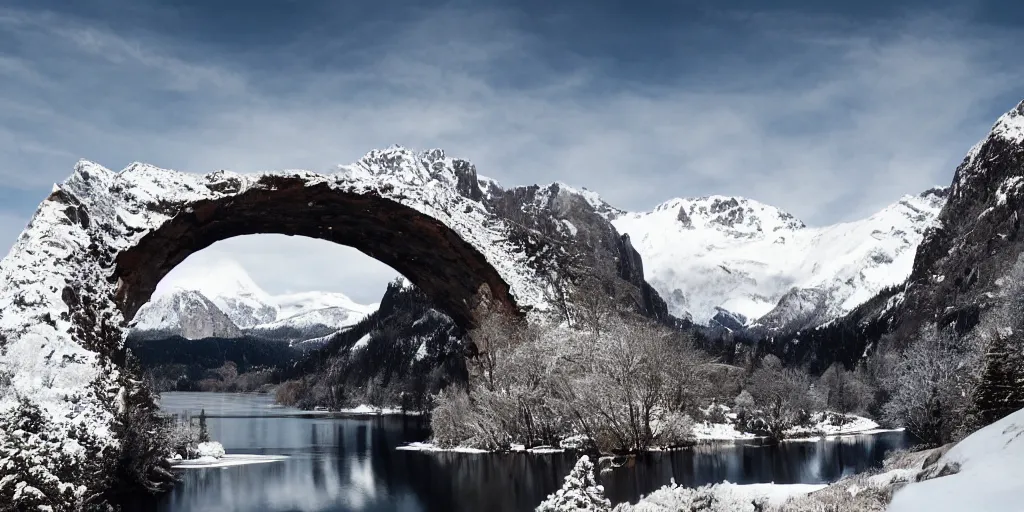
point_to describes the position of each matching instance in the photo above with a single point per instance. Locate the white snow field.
(990, 478)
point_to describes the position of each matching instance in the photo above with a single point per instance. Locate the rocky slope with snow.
(964, 259)
(725, 255)
(185, 313)
(233, 305)
(963, 267)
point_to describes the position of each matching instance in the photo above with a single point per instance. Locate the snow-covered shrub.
(210, 449)
(448, 420)
(672, 429)
(744, 408)
(707, 498)
(47, 466)
(715, 413)
(182, 437)
(579, 493)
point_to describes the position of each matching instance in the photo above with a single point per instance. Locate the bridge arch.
(448, 269)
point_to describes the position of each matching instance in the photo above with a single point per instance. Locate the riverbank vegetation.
(626, 384)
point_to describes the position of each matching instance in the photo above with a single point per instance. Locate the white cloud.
(833, 131)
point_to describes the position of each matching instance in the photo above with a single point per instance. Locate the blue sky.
(827, 110)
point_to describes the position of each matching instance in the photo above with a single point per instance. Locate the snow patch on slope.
(991, 462)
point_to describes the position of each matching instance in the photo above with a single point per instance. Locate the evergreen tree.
(204, 434)
(579, 493)
(1001, 390)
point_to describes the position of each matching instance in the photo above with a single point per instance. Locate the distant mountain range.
(731, 261)
(227, 303)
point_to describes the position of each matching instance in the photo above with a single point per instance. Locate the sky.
(828, 110)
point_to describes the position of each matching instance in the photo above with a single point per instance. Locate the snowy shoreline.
(719, 436)
(227, 460)
(363, 410)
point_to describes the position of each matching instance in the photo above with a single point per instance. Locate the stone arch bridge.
(98, 245)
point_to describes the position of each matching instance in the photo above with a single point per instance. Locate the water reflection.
(350, 464)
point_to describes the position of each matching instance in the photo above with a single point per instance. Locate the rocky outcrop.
(185, 313)
(578, 245)
(403, 353)
(977, 237)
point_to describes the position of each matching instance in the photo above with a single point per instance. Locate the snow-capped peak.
(229, 286)
(714, 252)
(225, 286)
(733, 214)
(186, 313)
(1010, 126)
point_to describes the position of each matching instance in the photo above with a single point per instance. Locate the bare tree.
(783, 396)
(594, 304)
(932, 384)
(845, 391)
(624, 394)
(493, 340)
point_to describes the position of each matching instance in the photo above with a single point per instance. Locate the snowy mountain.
(298, 304)
(302, 316)
(228, 286)
(224, 291)
(715, 253)
(185, 313)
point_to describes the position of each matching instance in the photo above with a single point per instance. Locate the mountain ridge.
(738, 254)
(239, 307)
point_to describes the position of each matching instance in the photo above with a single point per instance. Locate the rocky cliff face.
(977, 237)
(577, 243)
(398, 355)
(185, 313)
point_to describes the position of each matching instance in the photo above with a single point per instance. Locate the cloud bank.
(825, 117)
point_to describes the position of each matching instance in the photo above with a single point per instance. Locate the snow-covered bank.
(987, 468)
(703, 432)
(431, 447)
(211, 454)
(707, 431)
(225, 461)
(822, 427)
(364, 410)
(723, 497)
(371, 410)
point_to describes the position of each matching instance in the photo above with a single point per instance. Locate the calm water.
(347, 464)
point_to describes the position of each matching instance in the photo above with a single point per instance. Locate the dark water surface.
(351, 464)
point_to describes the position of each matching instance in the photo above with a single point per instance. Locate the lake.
(351, 464)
